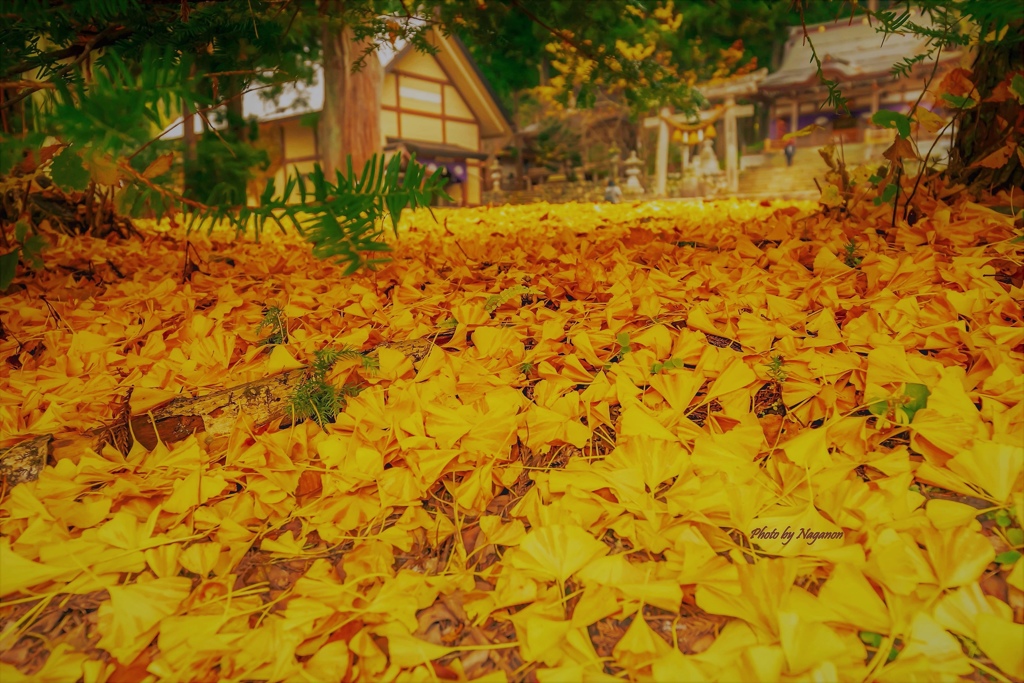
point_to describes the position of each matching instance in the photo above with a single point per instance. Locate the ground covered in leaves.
(671, 442)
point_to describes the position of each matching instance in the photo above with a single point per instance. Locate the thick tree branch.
(215, 414)
(100, 40)
(86, 49)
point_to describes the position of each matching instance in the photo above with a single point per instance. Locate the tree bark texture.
(986, 127)
(350, 120)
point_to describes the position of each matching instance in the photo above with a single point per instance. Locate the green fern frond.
(324, 359)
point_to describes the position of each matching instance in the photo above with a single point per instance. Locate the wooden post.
(794, 116)
(661, 160)
(732, 171)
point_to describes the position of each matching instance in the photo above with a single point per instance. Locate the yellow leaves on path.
(130, 619)
(690, 442)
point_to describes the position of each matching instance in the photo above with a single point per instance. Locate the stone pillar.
(732, 150)
(661, 160)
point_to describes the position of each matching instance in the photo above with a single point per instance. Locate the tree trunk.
(350, 120)
(190, 153)
(988, 126)
(236, 113)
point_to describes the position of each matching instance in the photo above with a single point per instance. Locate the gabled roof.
(849, 51)
(500, 120)
(433, 149)
(300, 97)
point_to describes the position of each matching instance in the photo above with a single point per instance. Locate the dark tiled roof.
(849, 52)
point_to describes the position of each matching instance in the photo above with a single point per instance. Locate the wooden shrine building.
(437, 106)
(860, 59)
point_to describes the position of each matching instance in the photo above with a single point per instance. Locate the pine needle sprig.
(317, 399)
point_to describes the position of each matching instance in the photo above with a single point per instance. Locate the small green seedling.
(776, 369)
(851, 258)
(670, 364)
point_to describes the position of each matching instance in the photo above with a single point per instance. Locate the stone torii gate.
(724, 92)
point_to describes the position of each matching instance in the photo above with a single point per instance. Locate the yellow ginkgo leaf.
(556, 552)
(807, 643)
(958, 556)
(947, 514)
(406, 650)
(1003, 641)
(281, 359)
(995, 467)
(830, 196)
(128, 620)
(542, 637)
(931, 122)
(502, 534)
(855, 601)
(330, 661)
(20, 573)
(639, 647)
(636, 421)
(200, 558)
(736, 376)
(959, 610)
(809, 449)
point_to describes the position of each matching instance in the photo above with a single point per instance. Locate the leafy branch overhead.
(345, 220)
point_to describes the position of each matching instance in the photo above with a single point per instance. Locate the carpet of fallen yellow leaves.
(729, 441)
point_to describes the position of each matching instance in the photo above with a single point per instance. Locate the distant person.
(790, 150)
(612, 193)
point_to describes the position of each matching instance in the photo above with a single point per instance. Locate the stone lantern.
(633, 164)
(495, 175)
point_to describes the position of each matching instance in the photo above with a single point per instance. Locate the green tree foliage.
(510, 52)
(510, 48)
(87, 85)
(753, 28)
